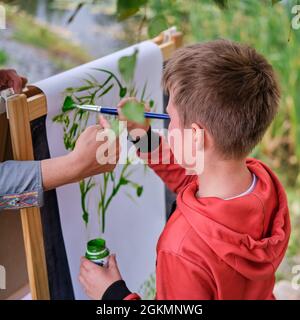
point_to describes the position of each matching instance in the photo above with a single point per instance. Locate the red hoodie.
(212, 248)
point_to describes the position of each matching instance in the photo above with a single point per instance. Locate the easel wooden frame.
(21, 110)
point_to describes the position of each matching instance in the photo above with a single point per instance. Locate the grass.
(63, 52)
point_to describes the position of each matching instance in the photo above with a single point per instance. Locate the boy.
(230, 229)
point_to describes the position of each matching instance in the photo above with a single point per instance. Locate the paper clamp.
(4, 95)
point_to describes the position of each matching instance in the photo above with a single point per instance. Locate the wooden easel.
(21, 110)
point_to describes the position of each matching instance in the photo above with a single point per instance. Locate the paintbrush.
(114, 111)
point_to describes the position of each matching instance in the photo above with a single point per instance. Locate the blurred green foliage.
(267, 28)
(26, 29)
(3, 57)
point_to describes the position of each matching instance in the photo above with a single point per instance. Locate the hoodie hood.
(249, 233)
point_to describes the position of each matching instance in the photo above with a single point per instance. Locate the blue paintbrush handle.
(150, 115)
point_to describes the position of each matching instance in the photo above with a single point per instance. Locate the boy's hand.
(95, 279)
(134, 129)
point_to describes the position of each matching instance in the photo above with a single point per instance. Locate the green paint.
(97, 251)
(68, 104)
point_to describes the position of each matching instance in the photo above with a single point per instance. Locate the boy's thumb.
(104, 123)
(112, 262)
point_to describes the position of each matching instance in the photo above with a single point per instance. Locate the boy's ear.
(198, 134)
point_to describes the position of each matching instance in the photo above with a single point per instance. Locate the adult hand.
(94, 152)
(90, 157)
(10, 79)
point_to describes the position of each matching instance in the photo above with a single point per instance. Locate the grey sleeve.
(20, 184)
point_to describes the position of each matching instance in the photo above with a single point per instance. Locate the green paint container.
(97, 252)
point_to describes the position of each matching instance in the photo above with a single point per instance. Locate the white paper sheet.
(132, 228)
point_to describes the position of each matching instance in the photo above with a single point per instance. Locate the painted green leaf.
(151, 104)
(127, 8)
(112, 176)
(73, 129)
(81, 186)
(68, 104)
(107, 80)
(85, 217)
(90, 185)
(105, 91)
(133, 92)
(72, 146)
(123, 181)
(123, 92)
(134, 111)
(84, 88)
(67, 143)
(66, 120)
(139, 191)
(144, 92)
(156, 25)
(59, 118)
(69, 90)
(127, 65)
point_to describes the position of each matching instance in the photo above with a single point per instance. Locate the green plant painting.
(74, 121)
(148, 288)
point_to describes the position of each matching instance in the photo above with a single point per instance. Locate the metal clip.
(167, 34)
(4, 95)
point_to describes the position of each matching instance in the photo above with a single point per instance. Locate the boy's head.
(226, 88)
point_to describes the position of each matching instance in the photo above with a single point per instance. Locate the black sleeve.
(116, 291)
(148, 143)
